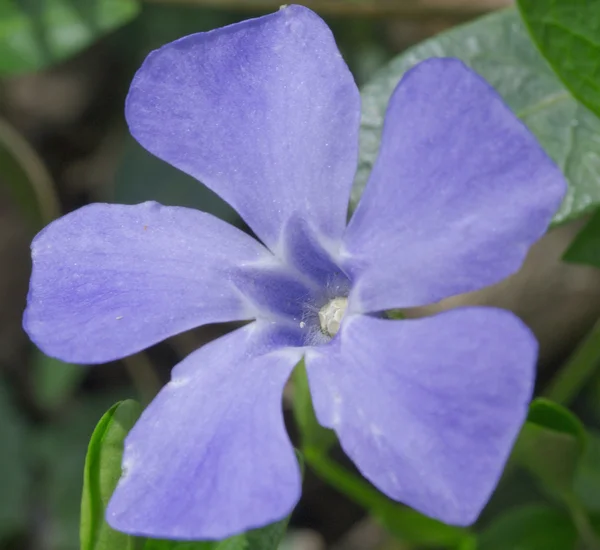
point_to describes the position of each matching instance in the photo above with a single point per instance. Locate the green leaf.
(25, 176)
(410, 526)
(142, 176)
(101, 474)
(498, 47)
(551, 444)
(568, 34)
(314, 436)
(13, 467)
(38, 33)
(585, 248)
(54, 380)
(267, 538)
(530, 527)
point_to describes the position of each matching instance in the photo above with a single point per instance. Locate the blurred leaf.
(587, 478)
(568, 34)
(101, 474)
(551, 444)
(415, 528)
(37, 33)
(54, 381)
(14, 481)
(585, 248)
(25, 176)
(498, 47)
(313, 435)
(142, 176)
(531, 527)
(550, 415)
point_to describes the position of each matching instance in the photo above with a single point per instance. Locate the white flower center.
(331, 315)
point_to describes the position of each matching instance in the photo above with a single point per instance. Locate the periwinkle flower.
(266, 113)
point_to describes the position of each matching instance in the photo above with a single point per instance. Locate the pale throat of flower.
(331, 315)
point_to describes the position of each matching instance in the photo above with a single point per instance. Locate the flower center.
(331, 315)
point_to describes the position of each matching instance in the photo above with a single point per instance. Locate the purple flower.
(266, 113)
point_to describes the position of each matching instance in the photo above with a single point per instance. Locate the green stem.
(337, 476)
(582, 522)
(571, 378)
(143, 376)
(401, 521)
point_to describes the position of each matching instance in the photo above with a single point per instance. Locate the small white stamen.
(331, 315)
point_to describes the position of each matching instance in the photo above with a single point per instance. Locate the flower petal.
(264, 112)
(428, 409)
(459, 192)
(210, 456)
(110, 280)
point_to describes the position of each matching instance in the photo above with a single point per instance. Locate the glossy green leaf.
(585, 248)
(38, 33)
(551, 444)
(53, 380)
(530, 527)
(14, 466)
(568, 35)
(142, 177)
(313, 435)
(498, 47)
(101, 474)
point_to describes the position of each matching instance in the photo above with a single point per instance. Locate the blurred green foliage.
(530, 527)
(585, 248)
(37, 33)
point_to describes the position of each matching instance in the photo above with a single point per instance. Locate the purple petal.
(110, 280)
(264, 112)
(459, 192)
(428, 409)
(210, 457)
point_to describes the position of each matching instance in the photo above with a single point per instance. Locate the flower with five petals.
(266, 114)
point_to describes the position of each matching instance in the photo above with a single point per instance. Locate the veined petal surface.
(459, 192)
(264, 112)
(110, 280)
(428, 409)
(210, 457)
